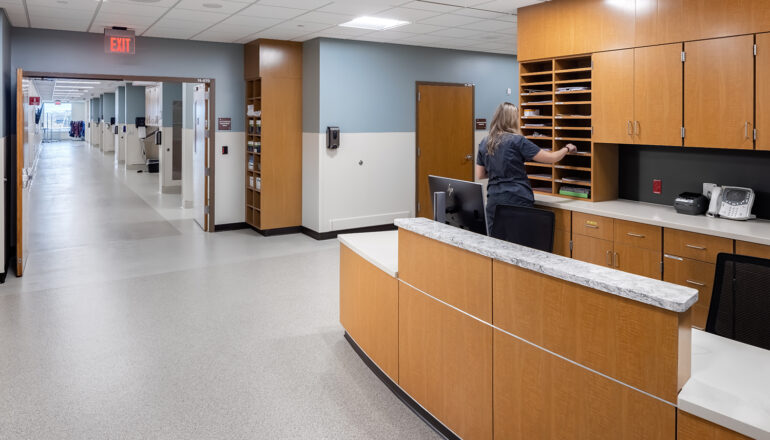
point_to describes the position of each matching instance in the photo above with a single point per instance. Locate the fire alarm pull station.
(332, 137)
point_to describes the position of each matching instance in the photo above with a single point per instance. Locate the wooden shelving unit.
(555, 102)
(273, 175)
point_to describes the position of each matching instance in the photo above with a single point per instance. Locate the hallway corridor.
(132, 323)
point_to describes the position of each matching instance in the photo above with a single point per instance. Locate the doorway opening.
(445, 137)
(146, 129)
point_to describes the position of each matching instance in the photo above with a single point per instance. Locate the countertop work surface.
(755, 231)
(378, 248)
(729, 385)
(645, 290)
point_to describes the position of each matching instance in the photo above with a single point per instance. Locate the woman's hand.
(571, 148)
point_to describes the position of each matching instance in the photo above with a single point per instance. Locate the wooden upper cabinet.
(658, 95)
(763, 92)
(719, 18)
(658, 22)
(719, 93)
(613, 96)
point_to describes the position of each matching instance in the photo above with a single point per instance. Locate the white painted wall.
(368, 181)
(133, 149)
(229, 178)
(108, 138)
(166, 184)
(96, 134)
(312, 146)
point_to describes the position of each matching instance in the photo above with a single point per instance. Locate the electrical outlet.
(657, 186)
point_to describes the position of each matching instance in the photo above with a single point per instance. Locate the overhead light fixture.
(374, 23)
(59, 81)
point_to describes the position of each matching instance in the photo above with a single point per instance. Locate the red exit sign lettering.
(119, 41)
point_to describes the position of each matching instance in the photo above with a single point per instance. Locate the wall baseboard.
(416, 408)
(333, 234)
(278, 231)
(231, 227)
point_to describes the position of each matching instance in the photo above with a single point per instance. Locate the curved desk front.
(494, 340)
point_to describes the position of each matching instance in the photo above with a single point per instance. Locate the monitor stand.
(439, 206)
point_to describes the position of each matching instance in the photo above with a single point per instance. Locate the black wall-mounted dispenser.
(332, 137)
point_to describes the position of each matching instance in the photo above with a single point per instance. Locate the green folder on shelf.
(572, 191)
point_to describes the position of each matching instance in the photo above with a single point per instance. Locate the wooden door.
(637, 260)
(445, 137)
(763, 91)
(613, 96)
(658, 94)
(592, 250)
(719, 93)
(22, 177)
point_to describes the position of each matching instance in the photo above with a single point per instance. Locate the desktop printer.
(691, 203)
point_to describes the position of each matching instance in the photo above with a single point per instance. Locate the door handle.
(636, 125)
(746, 130)
(696, 283)
(608, 258)
(629, 129)
(615, 260)
(692, 246)
(468, 156)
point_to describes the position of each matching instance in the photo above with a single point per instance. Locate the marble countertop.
(755, 231)
(646, 290)
(729, 385)
(378, 248)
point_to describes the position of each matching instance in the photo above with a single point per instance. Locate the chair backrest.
(740, 300)
(529, 227)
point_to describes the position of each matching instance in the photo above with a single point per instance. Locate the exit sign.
(119, 41)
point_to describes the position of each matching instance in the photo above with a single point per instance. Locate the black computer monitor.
(463, 203)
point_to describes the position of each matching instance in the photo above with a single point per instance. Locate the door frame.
(417, 131)
(19, 173)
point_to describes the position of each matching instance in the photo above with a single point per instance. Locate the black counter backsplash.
(685, 169)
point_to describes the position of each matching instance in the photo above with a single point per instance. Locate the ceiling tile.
(220, 6)
(126, 8)
(143, 3)
(194, 16)
(431, 6)
(478, 13)
(325, 17)
(492, 26)
(450, 20)
(463, 3)
(358, 7)
(456, 33)
(299, 4)
(420, 28)
(408, 14)
(63, 14)
(255, 23)
(507, 6)
(131, 21)
(170, 32)
(80, 5)
(263, 11)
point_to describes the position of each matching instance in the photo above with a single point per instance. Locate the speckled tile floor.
(131, 323)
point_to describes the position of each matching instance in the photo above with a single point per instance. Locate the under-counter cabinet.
(763, 92)
(752, 249)
(690, 260)
(627, 246)
(638, 96)
(719, 93)
(690, 427)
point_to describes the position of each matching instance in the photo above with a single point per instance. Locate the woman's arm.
(554, 156)
(481, 172)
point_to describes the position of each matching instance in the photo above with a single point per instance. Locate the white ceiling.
(479, 25)
(72, 89)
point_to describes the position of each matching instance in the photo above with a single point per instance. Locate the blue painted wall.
(134, 103)
(82, 52)
(120, 105)
(171, 92)
(5, 74)
(96, 109)
(376, 92)
(108, 106)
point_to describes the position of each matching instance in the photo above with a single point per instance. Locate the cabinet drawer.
(592, 250)
(696, 246)
(696, 274)
(636, 260)
(563, 218)
(592, 225)
(752, 249)
(638, 234)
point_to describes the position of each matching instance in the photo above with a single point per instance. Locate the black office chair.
(740, 300)
(529, 227)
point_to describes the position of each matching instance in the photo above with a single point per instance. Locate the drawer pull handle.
(692, 246)
(672, 257)
(616, 260)
(608, 260)
(588, 225)
(635, 235)
(696, 283)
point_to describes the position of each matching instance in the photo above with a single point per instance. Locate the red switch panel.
(657, 186)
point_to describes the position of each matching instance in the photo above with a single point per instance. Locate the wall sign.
(34, 100)
(224, 124)
(481, 124)
(119, 41)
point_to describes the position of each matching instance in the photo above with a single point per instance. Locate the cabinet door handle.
(635, 235)
(636, 124)
(692, 246)
(746, 130)
(615, 260)
(696, 283)
(608, 258)
(672, 257)
(630, 129)
(588, 225)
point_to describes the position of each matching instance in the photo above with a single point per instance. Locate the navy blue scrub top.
(508, 182)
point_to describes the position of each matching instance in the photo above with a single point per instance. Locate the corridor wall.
(7, 154)
(52, 51)
(120, 118)
(108, 112)
(373, 101)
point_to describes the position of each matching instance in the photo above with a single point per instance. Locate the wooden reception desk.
(487, 339)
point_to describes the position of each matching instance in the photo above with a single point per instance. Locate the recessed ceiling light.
(374, 23)
(212, 5)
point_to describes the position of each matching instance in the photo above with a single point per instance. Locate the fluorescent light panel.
(374, 23)
(58, 81)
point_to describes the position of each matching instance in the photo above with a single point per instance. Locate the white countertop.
(755, 231)
(729, 385)
(378, 248)
(645, 290)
